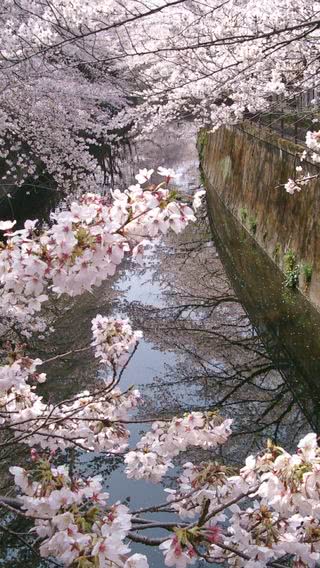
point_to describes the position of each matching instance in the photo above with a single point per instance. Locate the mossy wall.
(246, 166)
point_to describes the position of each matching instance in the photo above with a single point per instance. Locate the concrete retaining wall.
(246, 166)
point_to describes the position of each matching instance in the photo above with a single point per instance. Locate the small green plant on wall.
(248, 220)
(277, 252)
(291, 269)
(243, 215)
(307, 272)
(252, 224)
(201, 143)
(202, 177)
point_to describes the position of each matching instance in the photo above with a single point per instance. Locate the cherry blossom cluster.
(73, 518)
(267, 513)
(313, 154)
(313, 143)
(70, 72)
(292, 186)
(166, 440)
(207, 482)
(249, 54)
(84, 245)
(113, 340)
(92, 420)
(56, 119)
(282, 520)
(19, 374)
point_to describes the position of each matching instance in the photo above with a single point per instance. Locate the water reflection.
(221, 362)
(28, 202)
(37, 196)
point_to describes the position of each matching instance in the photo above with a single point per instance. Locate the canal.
(220, 332)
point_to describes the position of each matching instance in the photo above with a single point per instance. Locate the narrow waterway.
(200, 350)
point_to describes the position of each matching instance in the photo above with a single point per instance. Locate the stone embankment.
(247, 166)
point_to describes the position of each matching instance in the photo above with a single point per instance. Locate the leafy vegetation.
(291, 269)
(307, 270)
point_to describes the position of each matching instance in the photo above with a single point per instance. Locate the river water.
(209, 341)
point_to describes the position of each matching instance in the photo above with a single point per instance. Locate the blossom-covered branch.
(75, 520)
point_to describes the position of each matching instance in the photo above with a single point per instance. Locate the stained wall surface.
(246, 166)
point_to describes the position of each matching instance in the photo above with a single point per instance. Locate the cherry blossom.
(253, 517)
(6, 225)
(60, 114)
(167, 440)
(137, 561)
(75, 76)
(113, 339)
(144, 175)
(84, 246)
(177, 555)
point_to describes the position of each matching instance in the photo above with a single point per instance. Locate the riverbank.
(248, 166)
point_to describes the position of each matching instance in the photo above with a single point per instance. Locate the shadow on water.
(29, 202)
(286, 322)
(37, 198)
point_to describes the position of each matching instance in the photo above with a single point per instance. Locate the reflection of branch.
(40, 422)
(146, 540)
(276, 422)
(24, 542)
(206, 304)
(66, 354)
(15, 504)
(156, 508)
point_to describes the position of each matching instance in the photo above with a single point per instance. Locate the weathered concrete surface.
(246, 167)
